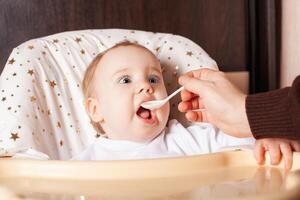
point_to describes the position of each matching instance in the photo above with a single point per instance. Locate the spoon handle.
(174, 93)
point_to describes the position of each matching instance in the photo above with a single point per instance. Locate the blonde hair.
(90, 72)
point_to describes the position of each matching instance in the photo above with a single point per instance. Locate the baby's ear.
(93, 108)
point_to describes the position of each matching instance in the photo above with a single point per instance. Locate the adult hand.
(224, 103)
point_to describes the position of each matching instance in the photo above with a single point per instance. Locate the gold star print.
(14, 74)
(97, 135)
(157, 49)
(78, 40)
(52, 84)
(3, 98)
(132, 31)
(171, 48)
(58, 125)
(189, 53)
(48, 112)
(30, 71)
(30, 47)
(66, 81)
(82, 51)
(77, 130)
(61, 143)
(32, 98)
(55, 41)
(44, 52)
(14, 136)
(11, 61)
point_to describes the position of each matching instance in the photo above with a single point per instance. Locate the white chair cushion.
(41, 98)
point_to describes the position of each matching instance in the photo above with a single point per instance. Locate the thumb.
(193, 85)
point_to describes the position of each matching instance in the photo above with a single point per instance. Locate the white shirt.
(175, 140)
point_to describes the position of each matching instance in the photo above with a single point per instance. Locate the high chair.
(43, 123)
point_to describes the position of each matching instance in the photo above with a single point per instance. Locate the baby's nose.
(145, 88)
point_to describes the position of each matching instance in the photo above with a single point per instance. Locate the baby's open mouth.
(147, 116)
(144, 113)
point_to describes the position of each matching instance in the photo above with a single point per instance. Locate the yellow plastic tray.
(226, 175)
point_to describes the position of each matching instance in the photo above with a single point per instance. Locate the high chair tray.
(225, 175)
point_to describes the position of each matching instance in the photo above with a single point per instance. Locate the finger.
(287, 155)
(275, 154)
(194, 116)
(259, 152)
(295, 146)
(184, 106)
(193, 104)
(186, 95)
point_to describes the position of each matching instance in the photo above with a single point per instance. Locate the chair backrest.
(41, 98)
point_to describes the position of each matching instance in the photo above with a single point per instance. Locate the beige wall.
(240, 80)
(290, 54)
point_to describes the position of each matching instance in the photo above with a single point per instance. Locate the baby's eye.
(154, 79)
(124, 80)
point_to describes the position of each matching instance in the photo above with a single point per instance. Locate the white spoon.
(151, 105)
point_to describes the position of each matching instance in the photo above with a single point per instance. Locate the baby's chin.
(147, 136)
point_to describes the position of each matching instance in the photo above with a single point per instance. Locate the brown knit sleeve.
(275, 113)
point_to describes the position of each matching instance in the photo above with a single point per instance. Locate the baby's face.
(126, 77)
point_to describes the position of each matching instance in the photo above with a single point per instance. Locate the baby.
(115, 85)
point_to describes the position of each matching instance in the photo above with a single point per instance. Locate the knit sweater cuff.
(269, 114)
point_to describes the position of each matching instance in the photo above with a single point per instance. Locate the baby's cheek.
(116, 108)
(164, 112)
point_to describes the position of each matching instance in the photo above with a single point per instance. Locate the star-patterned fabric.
(42, 105)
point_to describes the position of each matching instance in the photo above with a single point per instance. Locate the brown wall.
(219, 26)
